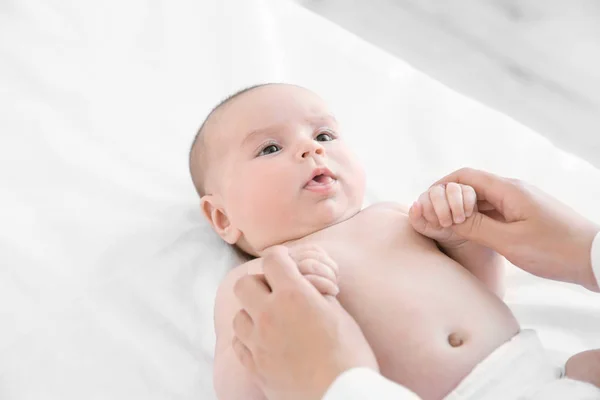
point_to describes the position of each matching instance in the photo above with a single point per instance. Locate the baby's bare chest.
(378, 240)
(408, 298)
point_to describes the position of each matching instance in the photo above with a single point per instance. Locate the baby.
(272, 167)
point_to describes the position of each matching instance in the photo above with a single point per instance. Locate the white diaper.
(521, 370)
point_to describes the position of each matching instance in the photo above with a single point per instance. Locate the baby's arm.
(433, 216)
(485, 264)
(231, 380)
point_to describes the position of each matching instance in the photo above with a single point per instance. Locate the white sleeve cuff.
(366, 384)
(596, 257)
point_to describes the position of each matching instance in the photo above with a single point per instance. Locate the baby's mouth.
(321, 184)
(320, 180)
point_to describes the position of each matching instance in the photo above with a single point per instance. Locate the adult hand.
(533, 230)
(295, 340)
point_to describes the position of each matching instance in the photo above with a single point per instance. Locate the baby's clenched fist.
(442, 206)
(317, 267)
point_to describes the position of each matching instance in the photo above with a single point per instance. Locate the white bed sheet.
(107, 271)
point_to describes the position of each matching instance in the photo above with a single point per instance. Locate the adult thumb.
(279, 268)
(481, 229)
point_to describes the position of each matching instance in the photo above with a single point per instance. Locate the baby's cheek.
(263, 202)
(356, 181)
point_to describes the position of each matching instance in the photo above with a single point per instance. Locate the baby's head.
(254, 162)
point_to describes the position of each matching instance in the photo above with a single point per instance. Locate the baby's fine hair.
(198, 149)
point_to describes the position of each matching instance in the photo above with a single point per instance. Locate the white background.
(536, 60)
(107, 271)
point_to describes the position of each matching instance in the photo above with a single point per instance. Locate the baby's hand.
(317, 267)
(436, 210)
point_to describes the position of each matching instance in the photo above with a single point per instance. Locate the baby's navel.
(455, 339)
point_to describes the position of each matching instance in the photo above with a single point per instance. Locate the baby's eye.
(324, 137)
(270, 149)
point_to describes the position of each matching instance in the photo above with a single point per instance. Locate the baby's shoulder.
(387, 206)
(249, 267)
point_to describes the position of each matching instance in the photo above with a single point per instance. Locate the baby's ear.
(216, 216)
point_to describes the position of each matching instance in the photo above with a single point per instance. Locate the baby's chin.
(329, 212)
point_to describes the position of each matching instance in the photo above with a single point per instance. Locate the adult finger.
(243, 325)
(492, 189)
(243, 354)
(484, 205)
(489, 187)
(280, 269)
(485, 231)
(495, 215)
(252, 292)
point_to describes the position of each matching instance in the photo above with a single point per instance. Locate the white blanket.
(107, 271)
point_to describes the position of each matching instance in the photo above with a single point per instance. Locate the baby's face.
(270, 144)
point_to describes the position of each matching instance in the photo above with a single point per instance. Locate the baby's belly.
(428, 320)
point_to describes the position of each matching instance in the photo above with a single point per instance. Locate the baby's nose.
(313, 148)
